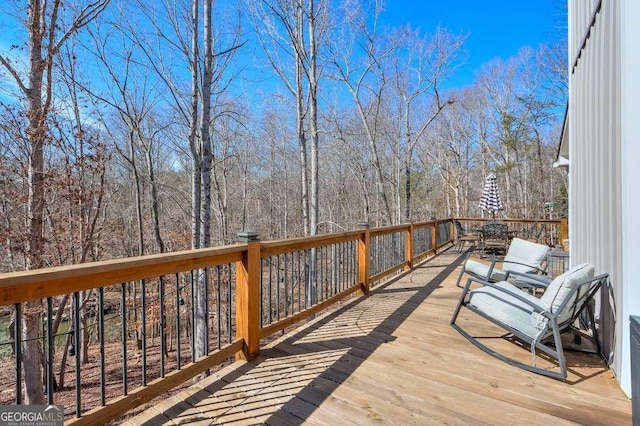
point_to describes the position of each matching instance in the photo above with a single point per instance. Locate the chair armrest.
(517, 294)
(530, 279)
(494, 261)
(512, 262)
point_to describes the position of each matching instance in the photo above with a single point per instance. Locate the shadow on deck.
(392, 357)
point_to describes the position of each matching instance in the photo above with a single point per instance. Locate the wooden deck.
(393, 358)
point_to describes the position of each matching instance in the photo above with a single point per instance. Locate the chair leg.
(594, 330)
(462, 271)
(460, 302)
(558, 347)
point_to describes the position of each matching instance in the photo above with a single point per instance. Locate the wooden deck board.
(392, 357)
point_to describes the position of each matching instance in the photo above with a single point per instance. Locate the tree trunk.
(302, 138)
(311, 290)
(196, 178)
(137, 191)
(35, 242)
(407, 187)
(201, 336)
(154, 201)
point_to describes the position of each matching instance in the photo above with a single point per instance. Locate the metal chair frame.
(577, 302)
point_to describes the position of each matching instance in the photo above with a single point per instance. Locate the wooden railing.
(253, 290)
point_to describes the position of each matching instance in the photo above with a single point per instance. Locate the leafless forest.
(130, 127)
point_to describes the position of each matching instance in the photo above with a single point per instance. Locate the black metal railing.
(109, 331)
(296, 280)
(120, 336)
(388, 251)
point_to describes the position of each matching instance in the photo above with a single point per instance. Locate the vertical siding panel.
(595, 151)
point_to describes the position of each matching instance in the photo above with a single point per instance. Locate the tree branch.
(4, 61)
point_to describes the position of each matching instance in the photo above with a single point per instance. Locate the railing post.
(408, 247)
(564, 232)
(248, 296)
(451, 232)
(363, 258)
(434, 237)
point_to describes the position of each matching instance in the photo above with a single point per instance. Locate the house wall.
(605, 160)
(630, 136)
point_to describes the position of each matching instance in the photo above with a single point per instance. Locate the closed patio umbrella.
(490, 200)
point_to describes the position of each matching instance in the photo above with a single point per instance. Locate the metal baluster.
(308, 283)
(76, 331)
(332, 269)
(347, 264)
(218, 312)
(123, 314)
(229, 301)
(103, 399)
(329, 287)
(374, 255)
(278, 287)
(206, 311)
(321, 271)
(352, 259)
(335, 268)
(286, 287)
(178, 320)
(318, 285)
(338, 270)
(270, 291)
(379, 251)
(162, 325)
(349, 247)
(50, 346)
(354, 264)
(17, 344)
(193, 319)
(387, 255)
(347, 276)
(143, 306)
(261, 293)
(299, 284)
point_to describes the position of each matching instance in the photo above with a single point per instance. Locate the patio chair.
(494, 237)
(522, 257)
(465, 236)
(537, 322)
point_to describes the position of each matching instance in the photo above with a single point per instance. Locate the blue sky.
(496, 28)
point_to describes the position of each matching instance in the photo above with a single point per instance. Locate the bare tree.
(356, 56)
(418, 66)
(285, 35)
(47, 32)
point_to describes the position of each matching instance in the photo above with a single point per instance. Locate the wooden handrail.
(24, 286)
(273, 248)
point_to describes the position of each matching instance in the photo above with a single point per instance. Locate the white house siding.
(630, 136)
(604, 159)
(581, 13)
